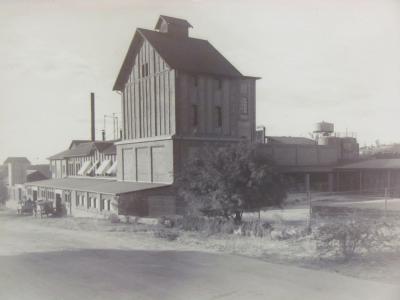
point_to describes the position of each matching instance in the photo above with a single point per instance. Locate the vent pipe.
(92, 117)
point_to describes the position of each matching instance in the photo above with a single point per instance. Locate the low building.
(370, 176)
(309, 164)
(85, 158)
(18, 171)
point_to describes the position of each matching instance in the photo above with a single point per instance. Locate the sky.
(337, 61)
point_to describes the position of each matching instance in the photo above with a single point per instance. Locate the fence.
(366, 203)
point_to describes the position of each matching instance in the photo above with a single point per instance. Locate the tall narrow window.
(145, 69)
(194, 115)
(218, 116)
(244, 106)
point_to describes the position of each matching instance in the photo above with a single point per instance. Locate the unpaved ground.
(40, 259)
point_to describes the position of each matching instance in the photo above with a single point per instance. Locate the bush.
(208, 225)
(114, 218)
(170, 235)
(255, 228)
(352, 237)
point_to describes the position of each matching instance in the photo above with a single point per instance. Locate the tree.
(3, 192)
(229, 180)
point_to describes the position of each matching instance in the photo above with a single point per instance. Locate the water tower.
(323, 129)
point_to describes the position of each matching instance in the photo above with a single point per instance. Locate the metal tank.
(324, 128)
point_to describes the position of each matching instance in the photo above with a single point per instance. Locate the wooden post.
(386, 196)
(307, 183)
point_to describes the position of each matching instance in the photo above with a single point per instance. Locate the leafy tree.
(229, 180)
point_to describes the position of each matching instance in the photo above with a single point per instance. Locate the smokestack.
(103, 135)
(92, 127)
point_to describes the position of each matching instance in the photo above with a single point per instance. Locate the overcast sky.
(335, 60)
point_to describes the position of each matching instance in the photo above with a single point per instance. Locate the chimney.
(92, 117)
(103, 135)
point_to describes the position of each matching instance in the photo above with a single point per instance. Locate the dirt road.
(39, 262)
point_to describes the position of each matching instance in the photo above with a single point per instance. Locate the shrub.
(170, 235)
(255, 228)
(348, 238)
(114, 218)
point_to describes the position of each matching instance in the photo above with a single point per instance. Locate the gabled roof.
(185, 54)
(83, 149)
(290, 140)
(111, 150)
(77, 142)
(172, 20)
(42, 168)
(18, 159)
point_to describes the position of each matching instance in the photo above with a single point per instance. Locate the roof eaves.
(127, 63)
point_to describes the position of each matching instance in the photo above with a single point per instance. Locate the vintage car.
(45, 208)
(25, 207)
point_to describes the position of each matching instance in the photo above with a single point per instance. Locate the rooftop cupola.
(173, 26)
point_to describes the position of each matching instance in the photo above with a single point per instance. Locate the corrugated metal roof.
(96, 185)
(373, 164)
(290, 140)
(185, 54)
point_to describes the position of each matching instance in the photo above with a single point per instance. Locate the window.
(83, 200)
(244, 106)
(196, 80)
(108, 205)
(101, 204)
(94, 202)
(218, 116)
(194, 115)
(89, 202)
(145, 69)
(77, 201)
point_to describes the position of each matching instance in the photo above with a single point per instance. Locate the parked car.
(25, 207)
(45, 208)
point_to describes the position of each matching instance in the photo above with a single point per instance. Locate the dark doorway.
(34, 195)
